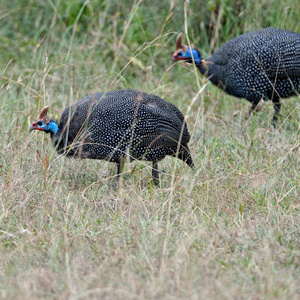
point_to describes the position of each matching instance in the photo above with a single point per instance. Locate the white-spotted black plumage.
(263, 64)
(113, 124)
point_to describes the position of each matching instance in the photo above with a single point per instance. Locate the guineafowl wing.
(162, 129)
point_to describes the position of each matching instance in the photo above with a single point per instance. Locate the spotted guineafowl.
(263, 64)
(114, 124)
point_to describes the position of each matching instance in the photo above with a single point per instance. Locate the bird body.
(263, 64)
(115, 124)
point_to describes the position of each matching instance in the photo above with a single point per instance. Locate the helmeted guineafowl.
(263, 64)
(114, 124)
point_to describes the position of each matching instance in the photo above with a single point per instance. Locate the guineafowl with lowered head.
(263, 64)
(115, 124)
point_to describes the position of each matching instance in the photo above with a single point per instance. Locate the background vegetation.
(228, 230)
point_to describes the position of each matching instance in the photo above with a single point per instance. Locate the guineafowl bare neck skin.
(53, 137)
(53, 129)
(193, 55)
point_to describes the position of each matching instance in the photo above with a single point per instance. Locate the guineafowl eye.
(40, 123)
(180, 54)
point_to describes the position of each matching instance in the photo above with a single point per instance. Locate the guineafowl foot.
(275, 120)
(155, 181)
(255, 107)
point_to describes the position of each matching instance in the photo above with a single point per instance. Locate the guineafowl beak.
(176, 57)
(35, 127)
(31, 127)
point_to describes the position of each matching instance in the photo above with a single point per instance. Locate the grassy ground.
(229, 230)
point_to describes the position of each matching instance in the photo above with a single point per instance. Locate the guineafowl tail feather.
(190, 162)
(185, 155)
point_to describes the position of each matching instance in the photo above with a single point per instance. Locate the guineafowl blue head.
(44, 123)
(185, 53)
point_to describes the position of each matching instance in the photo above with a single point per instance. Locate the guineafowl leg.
(255, 107)
(277, 106)
(155, 173)
(120, 165)
(252, 109)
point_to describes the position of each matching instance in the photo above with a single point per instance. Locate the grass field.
(228, 230)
